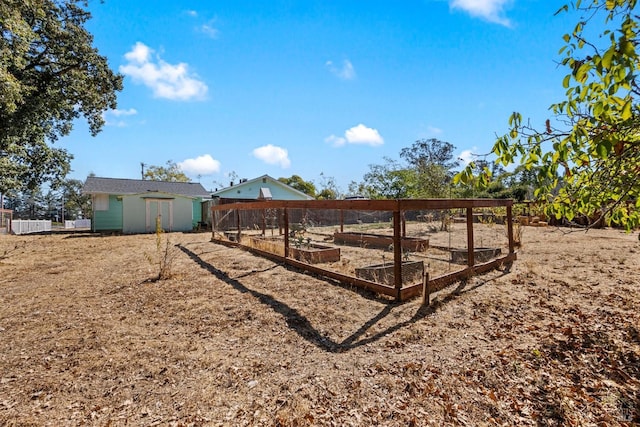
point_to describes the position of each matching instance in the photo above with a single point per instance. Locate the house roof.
(260, 180)
(97, 185)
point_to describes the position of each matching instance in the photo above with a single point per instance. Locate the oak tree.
(295, 181)
(50, 75)
(170, 173)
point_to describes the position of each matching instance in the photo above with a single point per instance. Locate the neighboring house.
(133, 205)
(263, 187)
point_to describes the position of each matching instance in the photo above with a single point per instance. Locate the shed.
(133, 206)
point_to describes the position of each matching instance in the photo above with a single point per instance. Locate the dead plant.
(518, 231)
(164, 254)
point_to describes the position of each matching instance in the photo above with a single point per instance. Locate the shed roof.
(97, 185)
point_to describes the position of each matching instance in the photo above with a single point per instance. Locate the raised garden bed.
(311, 253)
(314, 254)
(460, 256)
(412, 272)
(414, 244)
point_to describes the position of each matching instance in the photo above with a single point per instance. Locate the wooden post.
(286, 233)
(214, 223)
(470, 248)
(239, 225)
(264, 223)
(397, 254)
(510, 229)
(404, 225)
(426, 300)
(341, 221)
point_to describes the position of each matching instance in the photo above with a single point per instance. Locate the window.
(101, 202)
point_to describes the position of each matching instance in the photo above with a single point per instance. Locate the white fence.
(26, 226)
(78, 223)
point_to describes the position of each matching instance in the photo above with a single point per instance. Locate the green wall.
(110, 219)
(197, 212)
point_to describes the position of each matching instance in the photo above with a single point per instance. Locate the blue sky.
(285, 87)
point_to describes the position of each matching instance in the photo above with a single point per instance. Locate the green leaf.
(626, 110)
(603, 149)
(564, 8)
(627, 48)
(608, 57)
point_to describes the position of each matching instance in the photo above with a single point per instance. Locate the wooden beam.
(286, 233)
(239, 225)
(470, 250)
(404, 225)
(397, 254)
(368, 205)
(442, 282)
(510, 229)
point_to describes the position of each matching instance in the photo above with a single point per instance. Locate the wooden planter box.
(412, 272)
(314, 253)
(274, 245)
(459, 256)
(379, 241)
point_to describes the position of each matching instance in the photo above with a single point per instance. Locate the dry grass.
(233, 339)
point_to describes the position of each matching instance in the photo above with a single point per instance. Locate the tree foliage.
(28, 204)
(389, 180)
(50, 75)
(170, 173)
(295, 181)
(427, 173)
(76, 204)
(587, 160)
(328, 188)
(425, 153)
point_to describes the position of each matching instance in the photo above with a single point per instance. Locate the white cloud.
(168, 81)
(489, 10)
(209, 30)
(140, 53)
(347, 72)
(118, 113)
(201, 165)
(434, 130)
(467, 156)
(363, 135)
(336, 141)
(109, 115)
(273, 155)
(357, 135)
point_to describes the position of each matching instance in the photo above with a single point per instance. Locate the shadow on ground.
(303, 327)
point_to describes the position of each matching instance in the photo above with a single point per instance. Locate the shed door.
(161, 210)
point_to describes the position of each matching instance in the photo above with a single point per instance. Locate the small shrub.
(164, 254)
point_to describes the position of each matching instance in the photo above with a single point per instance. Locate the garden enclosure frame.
(280, 209)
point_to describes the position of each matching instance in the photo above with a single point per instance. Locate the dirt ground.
(87, 338)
